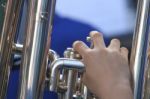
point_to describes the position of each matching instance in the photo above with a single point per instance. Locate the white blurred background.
(110, 16)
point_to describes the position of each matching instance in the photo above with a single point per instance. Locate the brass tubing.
(38, 32)
(71, 75)
(62, 63)
(52, 55)
(70, 84)
(7, 38)
(2, 13)
(17, 48)
(139, 55)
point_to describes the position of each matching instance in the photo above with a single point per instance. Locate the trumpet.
(139, 60)
(42, 67)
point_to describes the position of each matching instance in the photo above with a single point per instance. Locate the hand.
(107, 71)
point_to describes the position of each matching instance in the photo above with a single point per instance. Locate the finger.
(114, 44)
(97, 39)
(124, 51)
(80, 47)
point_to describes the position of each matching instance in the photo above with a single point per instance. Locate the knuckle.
(104, 50)
(100, 50)
(115, 52)
(89, 52)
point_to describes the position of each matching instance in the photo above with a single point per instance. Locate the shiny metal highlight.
(52, 55)
(2, 14)
(17, 48)
(7, 38)
(71, 75)
(63, 63)
(38, 33)
(139, 56)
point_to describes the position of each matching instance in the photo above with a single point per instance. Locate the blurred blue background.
(113, 16)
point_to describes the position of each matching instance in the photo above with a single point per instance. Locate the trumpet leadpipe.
(35, 49)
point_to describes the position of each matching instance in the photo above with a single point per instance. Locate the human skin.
(107, 72)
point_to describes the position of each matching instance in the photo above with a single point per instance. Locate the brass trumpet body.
(65, 73)
(38, 26)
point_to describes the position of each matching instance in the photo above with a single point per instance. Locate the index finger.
(80, 47)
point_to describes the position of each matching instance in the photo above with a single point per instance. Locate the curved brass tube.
(62, 63)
